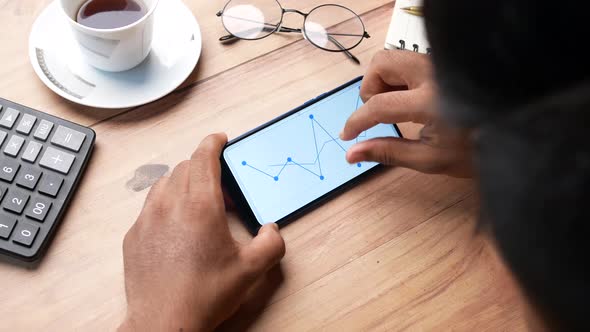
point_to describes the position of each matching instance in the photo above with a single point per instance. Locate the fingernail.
(268, 227)
(345, 137)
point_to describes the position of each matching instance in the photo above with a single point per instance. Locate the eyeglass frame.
(280, 28)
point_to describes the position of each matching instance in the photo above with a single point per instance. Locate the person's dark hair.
(534, 177)
(507, 52)
(512, 71)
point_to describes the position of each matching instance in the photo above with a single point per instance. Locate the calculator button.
(32, 151)
(2, 192)
(57, 160)
(15, 201)
(25, 234)
(8, 169)
(38, 208)
(28, 178)
(26, 124)
(50, 184)
(6, 226)
(9, 118)
(3, 135)
(14, 145)
(68, 138)
(43, 130)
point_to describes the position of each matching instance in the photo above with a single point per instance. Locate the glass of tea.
(113, 35)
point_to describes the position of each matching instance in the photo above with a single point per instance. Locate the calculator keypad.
(14, 145)
(28, 177)
(68, 138)
(32, 151)
(26, 124)
(9, 117)
(15, 201)
(38, 208)
(7, 224)
(43, 130)
(41, 159)
(25, 233)
(3, 135)
(50, 185)
(57, 160)
(8, 169)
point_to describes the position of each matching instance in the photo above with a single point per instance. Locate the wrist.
(127, 326)
(162, 322)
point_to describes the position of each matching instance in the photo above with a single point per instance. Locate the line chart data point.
(311, 116)
(359, 165)
(322, 178)
(289, 159)
(244, 163)
(276, 178)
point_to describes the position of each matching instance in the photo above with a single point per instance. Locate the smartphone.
(290, 165)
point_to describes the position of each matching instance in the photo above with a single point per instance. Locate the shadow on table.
(257, 301)
(13, 262)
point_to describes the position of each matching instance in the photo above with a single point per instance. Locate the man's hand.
(183, 269)
(398, 87)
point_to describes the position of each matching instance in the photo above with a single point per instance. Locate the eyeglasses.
(330, 27)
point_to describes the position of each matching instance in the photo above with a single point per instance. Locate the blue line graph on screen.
(313, 168)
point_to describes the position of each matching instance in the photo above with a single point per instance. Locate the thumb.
(265, 250)
(396, 152)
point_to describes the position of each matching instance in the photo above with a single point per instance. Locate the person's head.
(514, 72)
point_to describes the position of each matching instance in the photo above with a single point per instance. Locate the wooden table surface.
(397, 252)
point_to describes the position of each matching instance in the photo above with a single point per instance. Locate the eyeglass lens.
(252, 19)
(334, 28)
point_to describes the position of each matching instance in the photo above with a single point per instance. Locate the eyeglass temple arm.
(347, 52)
(285, 29)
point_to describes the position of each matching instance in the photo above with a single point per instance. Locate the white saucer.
(57, 60)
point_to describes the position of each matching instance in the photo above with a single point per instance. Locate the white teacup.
(117, 49)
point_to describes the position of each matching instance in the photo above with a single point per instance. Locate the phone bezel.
(233, 189)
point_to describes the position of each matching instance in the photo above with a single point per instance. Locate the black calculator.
(42, 159)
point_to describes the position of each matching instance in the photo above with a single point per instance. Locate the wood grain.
(398, 252)
(407, 283)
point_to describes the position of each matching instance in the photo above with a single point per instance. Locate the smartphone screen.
(298, 159)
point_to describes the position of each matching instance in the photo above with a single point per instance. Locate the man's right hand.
(399, 87)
